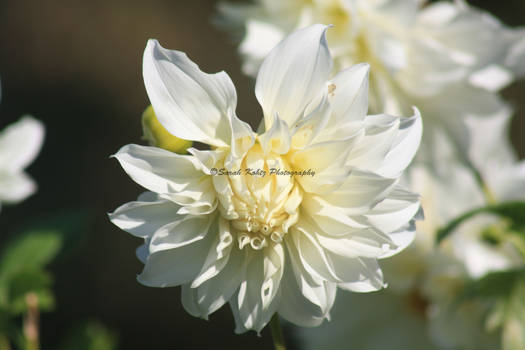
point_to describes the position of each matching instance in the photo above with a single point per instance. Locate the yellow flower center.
(258, 197)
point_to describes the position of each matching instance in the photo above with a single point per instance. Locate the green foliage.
(90, 336)
(509, 315)
(513, 212)
(494, 284)
(23, 263)
(32, 250)
(506, 289)
(22, 270)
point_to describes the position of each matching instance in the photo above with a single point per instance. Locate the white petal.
(144, 217)
(306, 131)
(248, 303)
(313, 255)
(15, 187)
(361, 275)
(359, 243)
(492, 78)
(490, 144)
(169, 268)
(185, 231)
(217, 258)
(142, 252)
(215, 292)
(389, 145)
(328, 161)
(296, 308)
(349, 96)
(402, 237)
(360, 192)
(189, 103)
(399, 208)
(404, 146)
(20, 143)
(293, 74)
(319, 292)
(157, 169)
(242, 137)
(357, 273)
(207, 159)
(321, 216)
(277, 138)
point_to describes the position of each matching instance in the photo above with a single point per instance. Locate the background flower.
(447, 58)
(20, 143)
(426, 281)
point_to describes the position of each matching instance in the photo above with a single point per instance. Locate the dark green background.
(76, 65)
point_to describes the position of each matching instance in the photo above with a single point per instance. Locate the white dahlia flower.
(269, 222)
(20, 143)
(445, 57)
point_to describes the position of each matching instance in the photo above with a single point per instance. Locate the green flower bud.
(158, 136)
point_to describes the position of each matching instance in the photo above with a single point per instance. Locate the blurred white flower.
(426, 280)
(266, 242)
(445, 57)
(20, 143)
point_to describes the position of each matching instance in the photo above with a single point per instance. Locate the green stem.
(277, 333)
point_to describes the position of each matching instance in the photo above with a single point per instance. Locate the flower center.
(258, 198)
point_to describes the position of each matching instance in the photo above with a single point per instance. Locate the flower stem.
(277, 333)
(31, 322)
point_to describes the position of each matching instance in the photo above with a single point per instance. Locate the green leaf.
(29, 251)
(514, 324)
(46, 302)
(90, 336)
(30, 281)
(493, 285)
(513, 211)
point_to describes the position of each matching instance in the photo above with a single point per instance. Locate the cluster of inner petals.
(260, 206)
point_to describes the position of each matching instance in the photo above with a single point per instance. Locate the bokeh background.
(77, 66)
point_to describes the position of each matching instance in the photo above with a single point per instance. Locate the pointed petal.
(394, 212)
(158, 170)
(359, 243)
(293, 73)
(318, 292)
(361, 275)
(389, 145)
(361, 191)
(145, 216)
(169, 268)
(404, 146)
(189, 103)
(217, 258)
(349, 96)
(252, 311)
(215, 292)
(296, 308)
(182, 232)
